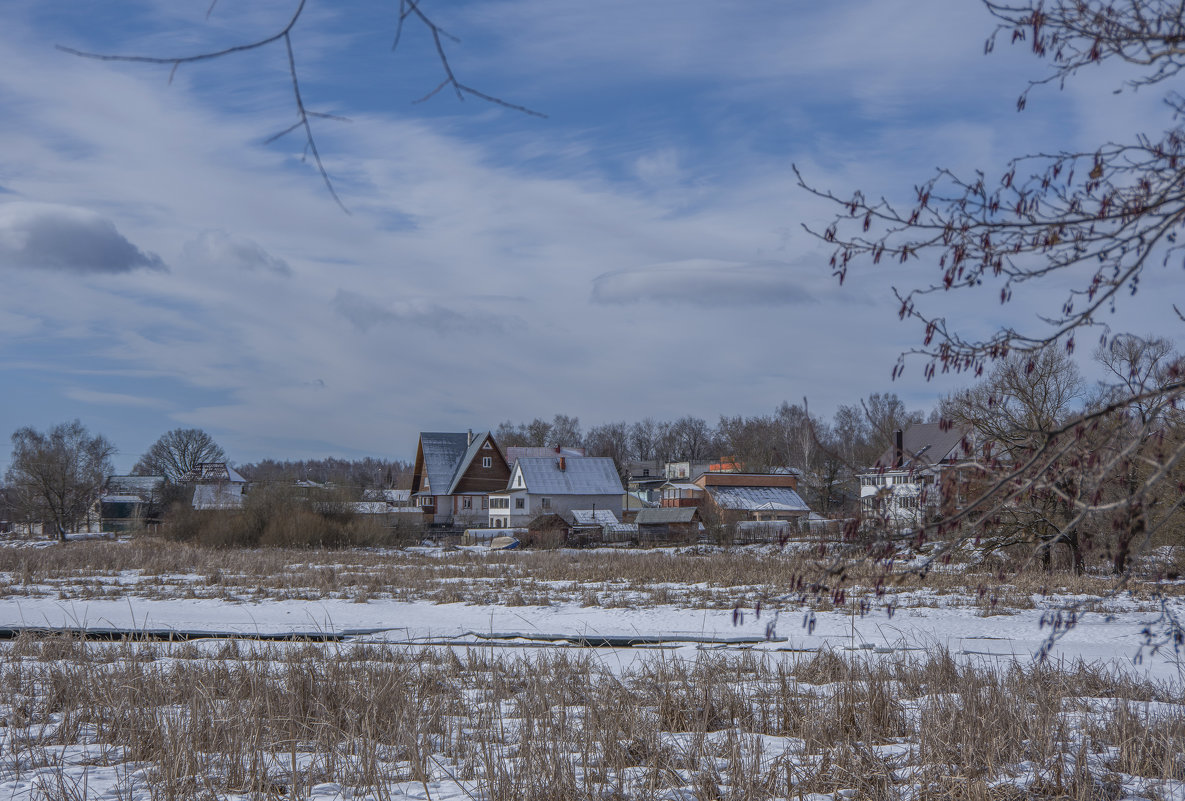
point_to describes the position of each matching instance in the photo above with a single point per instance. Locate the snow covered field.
(940, 698)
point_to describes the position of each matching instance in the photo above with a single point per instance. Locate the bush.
(279, 517)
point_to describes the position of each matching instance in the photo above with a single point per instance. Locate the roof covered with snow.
(581, 475)
(527, 452)
(443, 451)
(208, 497)
(756, 499)
(213, 471)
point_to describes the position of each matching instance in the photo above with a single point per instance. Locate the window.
(487, 461)
(486, 447)
(645, 471)
(466, 502)
(485, 502)
(519, 503)
(545, 503)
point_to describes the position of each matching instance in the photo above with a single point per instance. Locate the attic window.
(487, 461)
(487, 446)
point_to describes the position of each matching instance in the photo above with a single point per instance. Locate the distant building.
(454, 475)
(130, 502)
(217, 487)
(901, 488)
(555, 484)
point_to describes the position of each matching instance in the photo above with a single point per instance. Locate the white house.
(902, 487)
(556, 484)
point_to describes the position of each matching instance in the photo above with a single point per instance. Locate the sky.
(638, 251)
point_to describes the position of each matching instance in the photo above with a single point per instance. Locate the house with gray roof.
(669, 523)
(454, 475)
(901, 488)
(556, 484)
(753, 496)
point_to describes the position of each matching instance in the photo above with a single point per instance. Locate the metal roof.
(750, 499)
(442, 452)
(673, 514)
(924, 444)
(213, 471)
(582, 475)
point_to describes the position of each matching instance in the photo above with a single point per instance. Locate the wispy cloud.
(703, 282)
(83, 395)
(220, 250)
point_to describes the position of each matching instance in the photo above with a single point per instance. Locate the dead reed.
(290, 721)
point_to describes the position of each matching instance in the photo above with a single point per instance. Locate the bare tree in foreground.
(55, 477)
(178, 452)
(1095, 221)
(409, 10)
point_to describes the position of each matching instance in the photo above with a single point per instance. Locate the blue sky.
(638, 252)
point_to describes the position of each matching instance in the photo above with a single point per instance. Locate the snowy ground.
(1115, 636)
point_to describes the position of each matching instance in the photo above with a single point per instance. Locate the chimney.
(470, 436)
(899, 446)
(563, 464)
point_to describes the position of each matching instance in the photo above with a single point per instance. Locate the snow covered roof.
(442, 452)
(515, 452)
(603, 518)
(122, 499)
(581, 475)
(208, 497)
(756, 499)
(213, 471)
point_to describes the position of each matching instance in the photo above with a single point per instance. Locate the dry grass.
(688, 577)
(276, 721)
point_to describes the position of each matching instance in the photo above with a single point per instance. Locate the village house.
(555, 484)
(733, 497)
(453, 476)
(668, 524)
(130, 502)
(901, 488)
(216, 486)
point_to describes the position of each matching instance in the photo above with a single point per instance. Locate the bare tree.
(281, 35)
(55, 477)
(177, 453)
(1094, 221)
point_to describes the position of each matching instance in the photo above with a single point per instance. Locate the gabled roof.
(213, 471)
(582, 475)
(467, 459)
(752, 499)
(443, 451)
(447, 456)
(665, 515)
(925, 444)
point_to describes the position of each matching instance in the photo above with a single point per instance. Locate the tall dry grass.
(276, 721)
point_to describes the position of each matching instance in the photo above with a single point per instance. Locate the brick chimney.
(899, 448)
(563, 464)
(470, 437)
